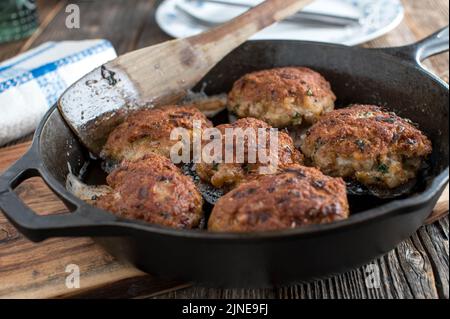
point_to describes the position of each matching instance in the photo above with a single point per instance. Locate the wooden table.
(417, 268)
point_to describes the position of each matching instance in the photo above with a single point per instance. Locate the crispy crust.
(228, 175)
(153, 190)
(282, 96)
(363, 142)
(148, 131)
(296, 197)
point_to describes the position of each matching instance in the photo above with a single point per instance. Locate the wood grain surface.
(417, 268)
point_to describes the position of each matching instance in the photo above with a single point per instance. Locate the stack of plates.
(376, 17)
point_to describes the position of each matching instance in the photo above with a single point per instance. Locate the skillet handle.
(81, 221)
(436, 43)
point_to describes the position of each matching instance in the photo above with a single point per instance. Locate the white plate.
(377, 18)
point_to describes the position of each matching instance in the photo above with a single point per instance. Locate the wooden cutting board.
(30, 270)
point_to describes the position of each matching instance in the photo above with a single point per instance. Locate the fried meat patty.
(228, 175)
(282, 97)
(153, 190)
(296, 197)
(363, 142)
(148, 131)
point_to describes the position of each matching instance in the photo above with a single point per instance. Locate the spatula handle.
(223, 39)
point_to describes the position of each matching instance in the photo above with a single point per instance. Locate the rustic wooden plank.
(425, 17)
(151, 33)
(42, 273)
(92, 257)
(10, 154)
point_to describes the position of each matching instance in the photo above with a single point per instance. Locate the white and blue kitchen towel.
(33, 81)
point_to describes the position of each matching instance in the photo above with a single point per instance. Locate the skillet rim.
(395, 207)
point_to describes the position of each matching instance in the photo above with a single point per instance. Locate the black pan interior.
(356, 75)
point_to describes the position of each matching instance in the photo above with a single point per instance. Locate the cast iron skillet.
(391, 77)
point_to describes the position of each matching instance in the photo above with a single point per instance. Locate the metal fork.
(302, 16)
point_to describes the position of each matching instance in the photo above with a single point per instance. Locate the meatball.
(222, 174)
(149, 131)
(153, 190)
(364, 143)
(282, 97)
(296, 197)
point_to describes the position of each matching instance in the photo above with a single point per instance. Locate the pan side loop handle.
(82, 221)
(436, 43)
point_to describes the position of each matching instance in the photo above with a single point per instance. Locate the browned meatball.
(228, 175)
(282, 97)
(297, 197)
(364, 143)
(153, 190)
(148, 131)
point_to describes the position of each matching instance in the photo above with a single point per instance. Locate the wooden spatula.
(158, 74)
